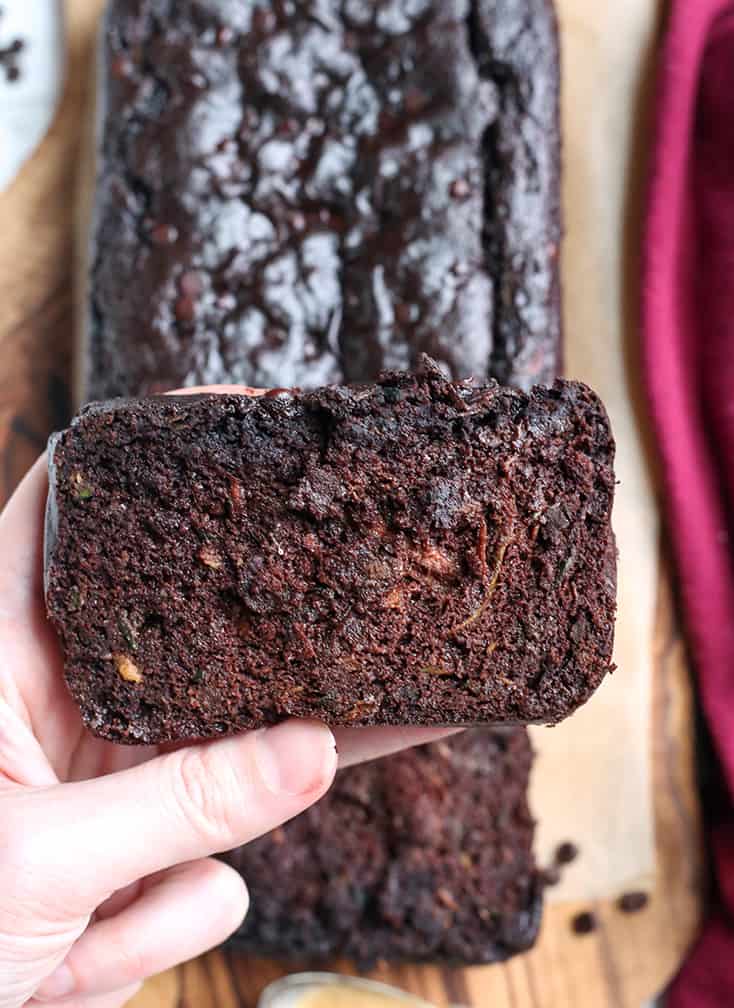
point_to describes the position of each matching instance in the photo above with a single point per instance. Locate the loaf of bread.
(424, 856)
(297, 196)
(294, 201)
(409, 552)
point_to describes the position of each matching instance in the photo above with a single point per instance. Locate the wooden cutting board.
(609, 53)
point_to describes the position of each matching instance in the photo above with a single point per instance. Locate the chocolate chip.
(566, 853)
(584, 923)
(632, 902)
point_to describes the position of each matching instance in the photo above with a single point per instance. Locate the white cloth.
(27, 105)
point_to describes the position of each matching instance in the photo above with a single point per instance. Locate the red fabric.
(688, 337)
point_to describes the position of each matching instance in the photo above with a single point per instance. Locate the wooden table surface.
(629, 957)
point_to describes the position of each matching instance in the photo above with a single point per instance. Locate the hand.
(105, 868)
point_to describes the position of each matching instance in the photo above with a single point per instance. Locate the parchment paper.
(592, 781)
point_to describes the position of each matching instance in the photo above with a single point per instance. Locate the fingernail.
(58, 985)
(296, 757)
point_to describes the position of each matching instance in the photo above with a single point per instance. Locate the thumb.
(83, 841)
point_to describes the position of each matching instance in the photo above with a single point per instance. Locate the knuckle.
(206, 790)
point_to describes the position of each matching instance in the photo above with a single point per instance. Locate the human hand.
(105, 867)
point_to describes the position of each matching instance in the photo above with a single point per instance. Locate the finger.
(178, 807)
(162, 928)
(358, 745)
(117, 999)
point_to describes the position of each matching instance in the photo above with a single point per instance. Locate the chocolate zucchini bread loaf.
(413, 551)
(426, 855)
(305, 193)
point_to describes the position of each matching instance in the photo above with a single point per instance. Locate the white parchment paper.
(592, 782)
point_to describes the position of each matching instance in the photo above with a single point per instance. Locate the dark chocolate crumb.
(632, 902)
(584, 923)
(566, 853)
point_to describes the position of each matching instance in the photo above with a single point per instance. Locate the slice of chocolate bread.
(414, 551)
(424, 856)
(285, 197)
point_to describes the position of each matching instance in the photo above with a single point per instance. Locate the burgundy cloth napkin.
(688, 337)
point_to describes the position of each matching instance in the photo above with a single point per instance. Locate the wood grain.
(631, 956)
